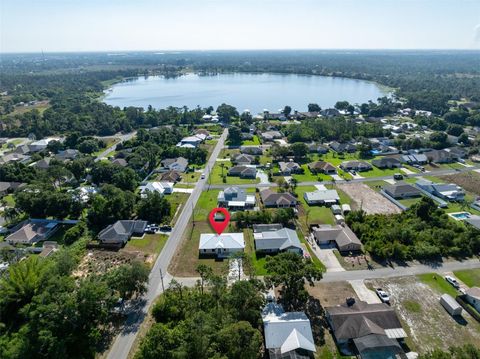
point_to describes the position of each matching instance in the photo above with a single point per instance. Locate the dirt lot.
(470, 181)
(366, 198)
(426, 322)
(331, 294)
(102, 261)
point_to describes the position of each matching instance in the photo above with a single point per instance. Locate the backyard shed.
(450, 305)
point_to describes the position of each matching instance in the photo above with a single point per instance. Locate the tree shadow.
(316, 314)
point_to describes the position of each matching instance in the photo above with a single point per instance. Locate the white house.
(160, 187)
(192, 141)
(221, 245)
(287, 334)
(472, 296)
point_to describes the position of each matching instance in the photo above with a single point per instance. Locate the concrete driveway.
(363, 292)
(263, 177)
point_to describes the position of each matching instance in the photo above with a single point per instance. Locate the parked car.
(166, 227)
(452, 281)
(202, 176)
(397, 176)
(151, 228)
(384, 297)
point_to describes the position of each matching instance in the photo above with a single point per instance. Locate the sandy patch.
(366, 198)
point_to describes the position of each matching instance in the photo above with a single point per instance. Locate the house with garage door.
(236, 198)
(220, 245)
(278, 200)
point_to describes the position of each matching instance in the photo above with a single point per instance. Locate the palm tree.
(222, 165)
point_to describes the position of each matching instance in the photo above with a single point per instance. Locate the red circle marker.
(219, 226)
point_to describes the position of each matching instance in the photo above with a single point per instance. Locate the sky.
(121, 25)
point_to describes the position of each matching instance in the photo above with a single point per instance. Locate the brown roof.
(273, 198)
(170, 176)
(361, 319)
(321, 165)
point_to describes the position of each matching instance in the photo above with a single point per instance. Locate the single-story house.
(472, 296)
(121, 231)
(316, 148)
(243, 159)
(22, 150)
(287, 334)
(160, 187)
(387, 162)
(32, 231)
(246, 136)
(322, 197)
(278, 200)
(120, 162)
(414, 159)
(170, 176)
(251, 150)
(9, 187)
(274, 238)
(43, 164)
(69, 154)
(221, 245)
(341, 235)
(450, 192)
(192, 141)
(243, 172)
(441, 156)
(457, 151)
(288, 168)
(473, 220)
(39, 145)
(179, 164)
(14, 157)
(402, 190)
(330, 112)
(374, 330)
(236, 198)
(322, 167)
(343, 147)
(48, 248)
(271, 135)
(358, 166)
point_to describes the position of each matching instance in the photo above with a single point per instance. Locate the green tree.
(299, 149)
(240, 341)
(290, 271)
(154, 208)
(313, 107)
(129, 279)
(234, 135)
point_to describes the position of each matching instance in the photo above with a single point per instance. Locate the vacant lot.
(470, 181)
(366, 198)
(103, 261)
(331, 294)
(150, 246)
(426, 322)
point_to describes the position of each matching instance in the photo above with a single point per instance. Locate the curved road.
(124, 341)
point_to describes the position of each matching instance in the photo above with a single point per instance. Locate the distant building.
(316, 148)
(287, 334)
(402, 190)
(32, 231)
(414, 159)
(271, 135)
(236, 198)
(322, 167)
(289, 168)
(192, 141)
(9, 187)
(343, 147)
(66, 155)
(326, 197)
(171, 176)
(121, 231)
(43, 164)
(243, 172)
(278, 200)
(442, 156)
(387, 162)
(159, 187)
(359, 166)
(243, 159)
(120, 162)
(450, 192)
(251, 150)
(179, 164)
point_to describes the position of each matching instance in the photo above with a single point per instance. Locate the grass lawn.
(376, 185)
(176, 199)
(408, 202)
(334, 158)
(470, 277)
(317, 214)
(438, 283)
(216, 176)
(254, 142)
(258, 262)
(186, 259)
(191, 177)
(313, 257)
(308, 176)
(377, 172)
(148, 244)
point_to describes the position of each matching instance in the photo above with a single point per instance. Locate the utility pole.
(161, 278)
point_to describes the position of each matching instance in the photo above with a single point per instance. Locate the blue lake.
(244, 91)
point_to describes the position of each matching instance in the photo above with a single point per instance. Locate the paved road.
(124, 341)
(112, 148)
(388, 272)
(442, 172)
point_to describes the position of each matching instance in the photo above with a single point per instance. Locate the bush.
(75, 233)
